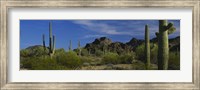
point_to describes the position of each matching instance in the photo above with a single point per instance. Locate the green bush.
(70, 60)
(140, 55)
(153, 54)
(59, 55)
(24, 53)
(174, 61)
(26, 62)
(110, 58)
(60, 61)
(43, 64)
(98, 53)
(40, 63)
(59, 51)
(84, 52)
(127, 58)
(33, 51)
(86, 59)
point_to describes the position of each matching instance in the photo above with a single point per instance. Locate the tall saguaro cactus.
(165, 28)
(51, 41)
(147, 47)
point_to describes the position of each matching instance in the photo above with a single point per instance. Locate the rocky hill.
(106, 44)
(133, 43)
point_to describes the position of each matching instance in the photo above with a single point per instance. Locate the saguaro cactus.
(70, 45)
(51, 41)
(79, 48)
(147, 47)
(165, 28)
(43, 39)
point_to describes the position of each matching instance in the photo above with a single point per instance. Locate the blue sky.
(86, 31)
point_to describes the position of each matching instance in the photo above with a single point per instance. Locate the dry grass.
(109, 67)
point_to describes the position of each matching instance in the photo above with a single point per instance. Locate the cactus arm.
(169, 26)
(54, 44)
(156, 34)
(171, 30)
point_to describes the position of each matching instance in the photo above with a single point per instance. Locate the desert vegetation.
(159, 53)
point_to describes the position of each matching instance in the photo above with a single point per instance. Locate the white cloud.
(100, 27)
(93, 36)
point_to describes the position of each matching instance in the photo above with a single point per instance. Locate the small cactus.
(147, 47)
(43, 39)
(70, 45)
(79, 48)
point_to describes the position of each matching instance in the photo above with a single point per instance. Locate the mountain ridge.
(107, 44)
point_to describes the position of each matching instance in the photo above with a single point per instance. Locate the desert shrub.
(40, 63)
(98, 53)
(25, 63)
(33, 51)
(59, 55)
(61, 60)
(86, 59)
(110, 58)
(84, 52)
(70, 60)
(36, 51)
(24, 53)
(76, 50)
(154, 53)
(140, 54)
(127, 58)
(46, 63)
(59, 51)
(174, 61)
